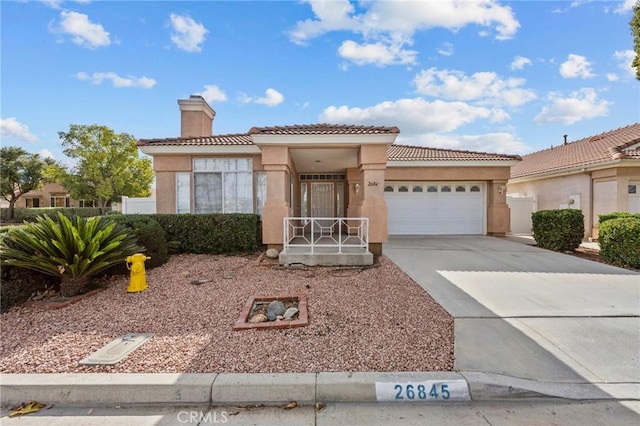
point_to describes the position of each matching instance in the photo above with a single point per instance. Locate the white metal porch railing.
(327, 232)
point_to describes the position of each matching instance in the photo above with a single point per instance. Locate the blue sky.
(487, 75)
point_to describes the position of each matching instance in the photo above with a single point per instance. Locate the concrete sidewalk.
(528, 313)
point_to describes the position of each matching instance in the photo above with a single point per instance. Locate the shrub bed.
(559, 230)
(605, 217)
(620, 241)
(207, 233)
(18, 284)
(21, 214)
(149, 234)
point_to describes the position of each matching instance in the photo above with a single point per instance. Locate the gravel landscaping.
(360, 319)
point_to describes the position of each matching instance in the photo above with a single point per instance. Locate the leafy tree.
(635, 30)
(107, 165)
(20, 172)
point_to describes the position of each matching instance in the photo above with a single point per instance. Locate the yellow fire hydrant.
(138, 279)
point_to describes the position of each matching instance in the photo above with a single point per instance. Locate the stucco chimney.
(196, 117)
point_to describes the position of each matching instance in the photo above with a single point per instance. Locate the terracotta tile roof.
(323, 129)
(233, 139)
(419, 153)
(600, 148)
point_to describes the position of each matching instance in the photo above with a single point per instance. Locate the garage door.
(420, 208)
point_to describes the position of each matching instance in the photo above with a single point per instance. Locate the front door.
(322, 205)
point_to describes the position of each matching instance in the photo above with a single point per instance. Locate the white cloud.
(519, 62)
(483, 87)
(212, 93)
(83, 32)
(612, 77)
(581, 105)
(576, 66)
(393, 24)
(45, 153)
(116, 80)
(10, 127)
(445, 49)
(498, 142)
(414, 116)
(625, 58)
(626, 6)
(376, 53)
(188, 35)
(272, 98)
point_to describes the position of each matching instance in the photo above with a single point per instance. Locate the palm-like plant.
(74, 251)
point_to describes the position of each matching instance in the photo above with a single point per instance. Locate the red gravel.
(372, 319)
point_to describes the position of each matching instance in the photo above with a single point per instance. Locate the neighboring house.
(50, 195)
(328, 171)
(599, 174)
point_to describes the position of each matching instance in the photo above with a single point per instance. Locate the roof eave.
(199, 149)
(623, 162)
(325, 139)
(452, 163)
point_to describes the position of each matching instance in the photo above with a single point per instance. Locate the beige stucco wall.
(44, 195)
(608, 193)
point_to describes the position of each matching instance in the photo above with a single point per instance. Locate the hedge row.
(209, 233)
(559, 230)
(620, 240)
(21, 214)
(605, 217)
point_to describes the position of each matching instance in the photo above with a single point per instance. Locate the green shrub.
(605, 217)
(23, 214)
(620, 241)
(18, 284)
(149, 235)
(211, 233)
(558, 230)
(74, 251)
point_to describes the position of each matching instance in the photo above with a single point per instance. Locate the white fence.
(138, 205)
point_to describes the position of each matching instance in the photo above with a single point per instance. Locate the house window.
(417, 189)
(445, 188)
(87, 203)
(223, 185)
(403, 189)
(60, 201)
(632, 189)
(432, 189)
(475, 188)
(388, 188)
(183, 193)
(261, 191)
(461, 188)
(32, 202)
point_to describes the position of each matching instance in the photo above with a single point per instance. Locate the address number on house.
(431, 390)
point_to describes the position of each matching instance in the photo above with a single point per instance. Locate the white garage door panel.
(439, 213)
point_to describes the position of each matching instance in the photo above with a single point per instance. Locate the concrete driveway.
(529, 313)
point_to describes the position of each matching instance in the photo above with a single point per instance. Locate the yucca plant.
(72, 250)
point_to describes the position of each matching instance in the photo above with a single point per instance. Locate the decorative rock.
(258, 318)
(272, 253)
(274, 309)
(289, 313)
(279, 317)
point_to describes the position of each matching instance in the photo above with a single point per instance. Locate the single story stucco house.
(598, 174)
(293, 174)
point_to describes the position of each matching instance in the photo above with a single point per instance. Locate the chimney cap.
(197, 97)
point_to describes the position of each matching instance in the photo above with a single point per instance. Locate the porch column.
(372, 164)
(498, 213)
(275, 160)
(354, 177)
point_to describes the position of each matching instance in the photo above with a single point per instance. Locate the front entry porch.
(326, 241)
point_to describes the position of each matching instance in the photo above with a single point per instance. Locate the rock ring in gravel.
(274, 309)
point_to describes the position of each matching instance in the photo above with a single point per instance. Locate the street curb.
(273, 389)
